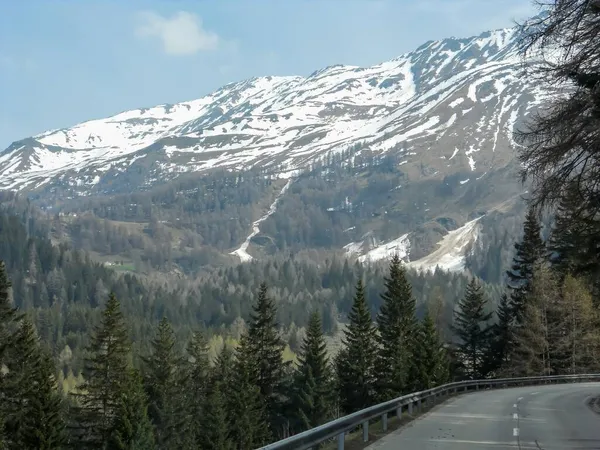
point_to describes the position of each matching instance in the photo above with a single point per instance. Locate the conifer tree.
(9, 316)
(265, 358)
(215, 422)
(133, 430)
(250, 425)
(163, 381)
(397, 325)
(501, 339)
(36, 418)
(430, 357)
(197, 385)
(355, 363)
(529, 253)
(106, 376)
(530, 352)
(471, 327)
(313, 378)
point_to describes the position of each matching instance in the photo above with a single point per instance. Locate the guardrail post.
(410, 408)
(384, 422)
(341, 439)
(419, 405)
(399, 412)
(365, 427)
(477, 387)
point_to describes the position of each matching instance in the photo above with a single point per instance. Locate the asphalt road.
(549, 417)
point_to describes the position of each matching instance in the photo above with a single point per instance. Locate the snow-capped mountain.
(466, 94)
(447, 110)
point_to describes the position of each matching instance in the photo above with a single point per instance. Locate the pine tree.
(473, 331)
(502, 331)
(9, 317)
(313, 378)
(355, 363)
(36, 418)
(197, 386)
(250, 425)
(265, 356)
(530, 352)
(397, 327)
(430, 358)
(529, 254)
(215, 422)
(574, 241)
(132, 429)
(163, 382)
(106, 376)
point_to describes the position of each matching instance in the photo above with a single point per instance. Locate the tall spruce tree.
(265, 356)
(530, 352)
(397, 325)
(501, 336)
(106, 375)
(215, 421)
(9, 317)
(133, 430)
(197, 386)
(473, 330)
(164, 384)
(37, 417)
(250, 425)
(429, 357)
(313, 379)
(355, 363)
(574, 243)
(529, 253)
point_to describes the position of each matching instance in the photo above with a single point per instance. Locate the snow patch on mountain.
(242, 251)
(450, 254)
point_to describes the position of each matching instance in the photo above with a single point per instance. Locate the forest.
(144, 374)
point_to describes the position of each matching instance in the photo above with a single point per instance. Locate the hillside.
(413, 155)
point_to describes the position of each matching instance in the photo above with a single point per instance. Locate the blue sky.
(67, 61)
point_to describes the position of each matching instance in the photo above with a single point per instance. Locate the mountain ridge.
(444, 113)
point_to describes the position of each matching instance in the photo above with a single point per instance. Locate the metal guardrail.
(338, 428)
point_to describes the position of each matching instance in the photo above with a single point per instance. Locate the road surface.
(550, 417)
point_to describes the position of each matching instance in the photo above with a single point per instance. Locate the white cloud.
(181, 34)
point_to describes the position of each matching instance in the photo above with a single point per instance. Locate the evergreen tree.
(313, 378)
(355, 363)
(574, 241)
(501, 332)
(528, 254)
(197, 386)
(132, 429)
(397, 327)
(163, 382)
(430, 358)
(215, 422)
(106, 376)
(473, 331)
(36, 408)
(265, 358)
(9, 317)
(530, 352)
(250, 425)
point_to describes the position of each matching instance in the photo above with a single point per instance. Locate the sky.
(67, 61)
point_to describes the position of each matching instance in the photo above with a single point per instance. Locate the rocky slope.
(445, 111)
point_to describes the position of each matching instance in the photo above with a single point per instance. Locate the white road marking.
(515, 405)
(534, 393)
(515, 416)
(519, 399)
(515, 431)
